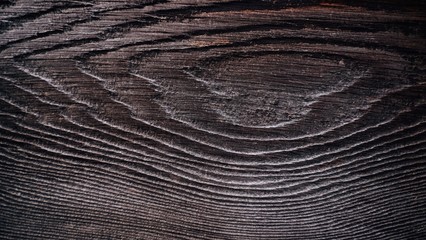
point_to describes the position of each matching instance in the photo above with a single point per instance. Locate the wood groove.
(175, 119)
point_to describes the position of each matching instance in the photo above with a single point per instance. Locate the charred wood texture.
(183, 119)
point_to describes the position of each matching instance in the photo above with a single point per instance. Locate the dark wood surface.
(205, 119)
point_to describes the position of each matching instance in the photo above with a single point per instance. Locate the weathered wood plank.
(155, 119)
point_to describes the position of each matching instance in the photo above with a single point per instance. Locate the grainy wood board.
(205, 119)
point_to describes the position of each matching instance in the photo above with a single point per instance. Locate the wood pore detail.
(183, 119)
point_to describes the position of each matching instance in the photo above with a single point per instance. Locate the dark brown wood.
(266, 119)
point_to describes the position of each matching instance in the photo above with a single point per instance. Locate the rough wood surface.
(155, 119)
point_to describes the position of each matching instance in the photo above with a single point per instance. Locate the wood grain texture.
(156, 119)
